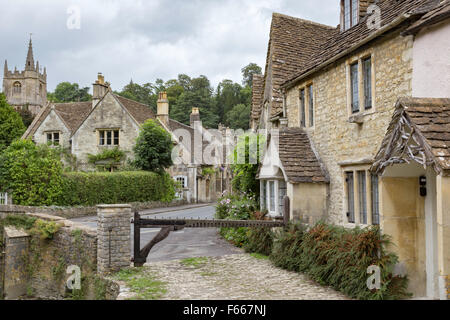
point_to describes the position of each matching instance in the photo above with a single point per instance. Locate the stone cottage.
(363, 127)
(110, 121)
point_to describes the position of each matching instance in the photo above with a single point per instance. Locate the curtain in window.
(375, 201)
(350, 197)
(311, 106)
(362, 197)
(302, 108)
(367, 69)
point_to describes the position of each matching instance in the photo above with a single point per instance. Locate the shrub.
(339, 258)
(32, 173)
(153, 149)
(260, 240)
(88, 189)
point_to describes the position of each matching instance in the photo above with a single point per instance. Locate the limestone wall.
(53, 123)
(107, 115)
(336, 139)
(308, 201)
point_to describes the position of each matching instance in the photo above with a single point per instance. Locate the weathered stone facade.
(27, 88)
(336, 139)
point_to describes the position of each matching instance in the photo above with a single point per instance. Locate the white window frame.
(356, 196)
(276, 200)
(3, 198)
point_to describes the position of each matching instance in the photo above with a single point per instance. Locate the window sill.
(358, 118)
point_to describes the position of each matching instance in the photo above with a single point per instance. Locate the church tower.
(26, 89)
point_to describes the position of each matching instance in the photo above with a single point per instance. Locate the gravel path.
(236, 277)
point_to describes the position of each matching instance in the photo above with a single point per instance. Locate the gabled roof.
(419, 132)
(73, 113)
(393, 13)
(300, 162)
(293, 43)
(257, 96)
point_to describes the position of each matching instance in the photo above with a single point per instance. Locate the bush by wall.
(32, 173)
(339, 257)
(88, 189)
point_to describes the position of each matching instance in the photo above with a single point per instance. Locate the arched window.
(17, 87)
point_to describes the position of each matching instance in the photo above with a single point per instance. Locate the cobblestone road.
(239, 276)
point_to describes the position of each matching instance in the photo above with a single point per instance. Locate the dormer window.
(350, 13)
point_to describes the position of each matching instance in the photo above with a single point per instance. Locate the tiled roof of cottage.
(419, 131)
(139, 111)
(299, 161)
(293, 43)
(340, 42)
(441, 13)
(72, 114)
(257, 96)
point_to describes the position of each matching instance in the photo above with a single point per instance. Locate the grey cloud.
(145, 40)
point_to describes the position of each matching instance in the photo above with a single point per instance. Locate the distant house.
(110, 121)
(363, 113)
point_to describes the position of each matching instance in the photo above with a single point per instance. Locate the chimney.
(99, 89)
(163, 108)
(195, 116)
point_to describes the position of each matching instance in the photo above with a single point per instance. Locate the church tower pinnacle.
(5, 71)
(29, 65)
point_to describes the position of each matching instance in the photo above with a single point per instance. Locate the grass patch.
(194, 262)
(259, 256)
(142, 283)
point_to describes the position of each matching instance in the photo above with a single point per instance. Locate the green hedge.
(89, 189)
(339, 257)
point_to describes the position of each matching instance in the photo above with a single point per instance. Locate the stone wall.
(47, 261)
(79, 212)
(335, 139)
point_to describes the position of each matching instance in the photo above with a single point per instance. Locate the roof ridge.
(281, 15)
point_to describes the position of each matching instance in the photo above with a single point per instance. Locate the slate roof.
(352, 38)
(298, 158)
(139, 111)
(257, 96)
(429, 120)
(439, 14)
(293, 43)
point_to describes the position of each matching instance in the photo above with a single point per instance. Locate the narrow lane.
(187, 243)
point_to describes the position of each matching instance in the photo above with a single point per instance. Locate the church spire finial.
(29, 65)
(6, 67)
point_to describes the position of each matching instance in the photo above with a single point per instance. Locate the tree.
(145, 94)
(245, 173)
(26, 115)
(153, 149)
(33, 173)
(11, 125)
(227, 96)
(238, 117)
(67, 92)
(248, 72)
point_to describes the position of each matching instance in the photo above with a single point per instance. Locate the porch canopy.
(290, 150)
(419, 132)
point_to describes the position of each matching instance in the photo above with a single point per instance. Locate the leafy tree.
(32, 172)
(248, 72)
(238, 117)
(11, 125)
(153, 149)
(67, 92)
(245, 173)
(26, 115)
(145, 94)
(227, 96)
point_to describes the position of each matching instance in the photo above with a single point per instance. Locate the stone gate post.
(113, 237)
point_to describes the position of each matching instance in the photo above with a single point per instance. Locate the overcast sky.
(146, 39)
